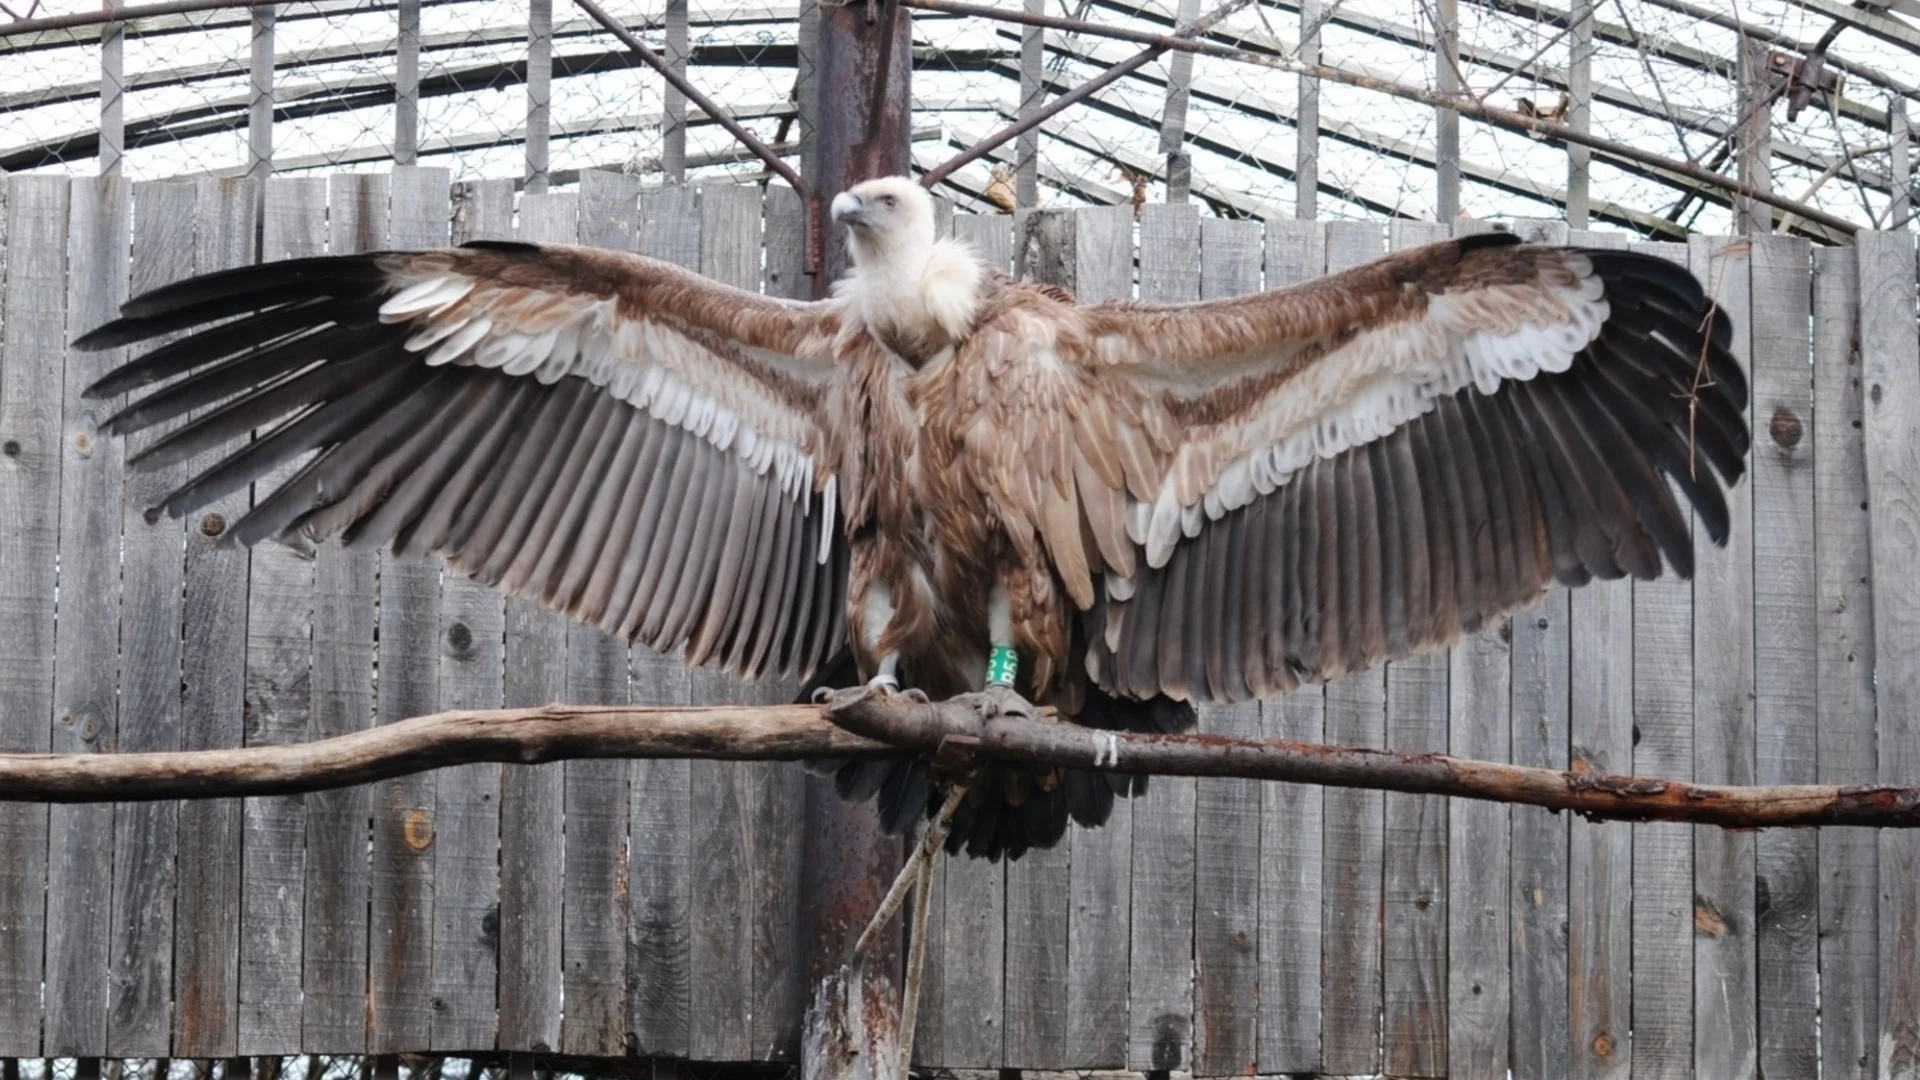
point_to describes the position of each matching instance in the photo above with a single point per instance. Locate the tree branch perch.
(857, 725)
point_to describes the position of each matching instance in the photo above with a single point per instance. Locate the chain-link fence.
(321, 85)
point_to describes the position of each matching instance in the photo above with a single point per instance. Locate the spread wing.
(629, 442)
(1283, 487)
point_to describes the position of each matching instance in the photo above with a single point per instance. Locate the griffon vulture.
(940, 478)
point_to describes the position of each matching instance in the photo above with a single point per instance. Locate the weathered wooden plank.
(279, 704)
(1099, 889)
(1291, 815)
(345, 585)
(1226, 857)
(1354, 856)
(154, 555)
(86, 635)
(970, 956)
(1785, 662)
(776, 792)
(1037, 919)
(1890, 371)
(1725, 980)
(1414, 845)
(400, 879)
(594, 796)
(1479, 965)
(532, 836)
(721, 949)
(1537, 911)
(1600, 732)
(659, 910)
(1509, 994)
(1160, 983)
(1663, 688)
(32, 337)
(466, 819)
(1843, 710)
(213, 674)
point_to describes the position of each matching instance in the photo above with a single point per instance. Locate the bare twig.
(868, 728)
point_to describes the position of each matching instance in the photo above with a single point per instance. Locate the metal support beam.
(539, 91)
(1752, 137)
(673, 137)
(1900, 151)
(1033, 50)
(1580, 114)
(406, 86)
(260, 109)
(861, 131)
(1446, 134)
(1173, 119)
(1306, 156)
(113, 132)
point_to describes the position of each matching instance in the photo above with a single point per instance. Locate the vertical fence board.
(1600, 736)
(972, 957)
(1354, 856)
(279, 703)
(87, 632)
(1415, 893)
(532, 837)
(466, 827)
(1291, 815)
(1538, 903)
(401, 881)
(1786, 888)
(721, 953)
(145, 833)
(1226, 857)
(1725, 1040)
(660, 907)
(1160, 982)
(1663, 687)
(213, 675)
(777, 790)
(1100, 881)
(1037, 919)
(1518, 1020)
(345, 583)
(1890, 370)
(1843, 715)
(594, 793)
(32, 335)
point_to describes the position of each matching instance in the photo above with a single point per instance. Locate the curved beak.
(848, 209)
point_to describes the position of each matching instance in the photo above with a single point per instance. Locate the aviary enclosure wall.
(1218, 926)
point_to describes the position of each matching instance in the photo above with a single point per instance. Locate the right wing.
(635, 445)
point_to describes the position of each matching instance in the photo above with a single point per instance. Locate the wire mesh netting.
(364, 83)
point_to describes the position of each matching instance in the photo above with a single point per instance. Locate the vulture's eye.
(890, 201)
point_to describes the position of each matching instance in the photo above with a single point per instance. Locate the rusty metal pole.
(860, 131)
(864, 114)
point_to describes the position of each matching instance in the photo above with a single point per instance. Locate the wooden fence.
(1218, 926)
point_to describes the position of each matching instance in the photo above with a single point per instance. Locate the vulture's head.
(886, 217)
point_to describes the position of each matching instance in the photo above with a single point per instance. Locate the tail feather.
(1008, 810)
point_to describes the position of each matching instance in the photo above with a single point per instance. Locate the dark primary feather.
(557, 491)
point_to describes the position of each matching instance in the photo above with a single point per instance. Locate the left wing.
(628, 442)
(1244, 494)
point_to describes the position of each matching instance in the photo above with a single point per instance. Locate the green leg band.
(1002, 665)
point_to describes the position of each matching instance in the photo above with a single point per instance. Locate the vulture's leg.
(999, 698)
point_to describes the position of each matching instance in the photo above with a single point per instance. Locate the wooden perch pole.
(866, 726)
